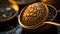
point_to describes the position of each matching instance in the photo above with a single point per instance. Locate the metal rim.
(38, 25)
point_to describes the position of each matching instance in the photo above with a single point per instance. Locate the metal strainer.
(36, 15)
(32, 16)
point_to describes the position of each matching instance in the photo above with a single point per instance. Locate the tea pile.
(34, 14)
(6, 12)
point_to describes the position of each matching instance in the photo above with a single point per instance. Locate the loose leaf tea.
(6, 12)
(34, 14)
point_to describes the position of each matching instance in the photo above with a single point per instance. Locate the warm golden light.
(12, 1)
(44, 1)
(14, 5)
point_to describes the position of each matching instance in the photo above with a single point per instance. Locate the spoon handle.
(53, 23)
(58, 11)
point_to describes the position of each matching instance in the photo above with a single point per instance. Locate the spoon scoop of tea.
(33, 15)
(36, 15)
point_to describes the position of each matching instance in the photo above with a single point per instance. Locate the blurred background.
(9, 11)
